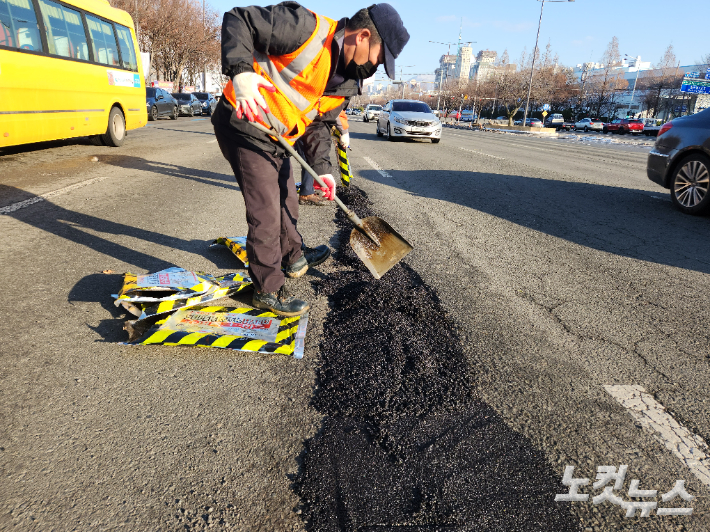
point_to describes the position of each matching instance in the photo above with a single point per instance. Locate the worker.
(282, 60)
(314, 146)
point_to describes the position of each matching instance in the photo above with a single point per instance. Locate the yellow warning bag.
(237, 245)
(226, 286)
(240, 329)
(168, 284)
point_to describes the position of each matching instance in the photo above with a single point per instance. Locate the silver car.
(408, 119)
(371, 112)
(589, 124)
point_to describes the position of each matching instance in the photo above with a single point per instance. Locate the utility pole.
(636, 63)
(532, 68)
(204, 65)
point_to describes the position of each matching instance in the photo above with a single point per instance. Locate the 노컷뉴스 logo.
(608, 474)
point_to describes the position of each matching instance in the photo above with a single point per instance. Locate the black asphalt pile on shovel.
(406, 444)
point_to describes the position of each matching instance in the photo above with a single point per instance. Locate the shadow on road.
(206, 177)
(627, 222)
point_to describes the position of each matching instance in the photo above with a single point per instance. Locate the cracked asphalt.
(560, 267)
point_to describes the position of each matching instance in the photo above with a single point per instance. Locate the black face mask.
(355, 71)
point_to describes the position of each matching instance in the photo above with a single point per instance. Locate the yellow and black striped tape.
(237, 245)
(286, 339)
(170, 306)
(344, 165)
(343, 161)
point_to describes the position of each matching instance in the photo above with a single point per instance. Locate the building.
(631, 101)
(447, 63)
(484, 66)
(462, 69)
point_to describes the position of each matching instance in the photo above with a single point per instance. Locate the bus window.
(65, 31)
(128, 50)
(18, 25)
(103, 41)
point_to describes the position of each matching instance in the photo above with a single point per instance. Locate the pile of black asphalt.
(406, 444)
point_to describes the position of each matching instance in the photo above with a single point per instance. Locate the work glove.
(329, 189)
(247, 95)
(344, 140)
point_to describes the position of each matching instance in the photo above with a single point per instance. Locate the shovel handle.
(354, 218)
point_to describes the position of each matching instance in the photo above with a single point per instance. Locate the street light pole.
(532, 68)
(636, 62)
(204, 65)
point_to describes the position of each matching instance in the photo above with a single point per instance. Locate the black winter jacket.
(274, 30)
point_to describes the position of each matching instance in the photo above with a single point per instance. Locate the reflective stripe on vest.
(300, 79)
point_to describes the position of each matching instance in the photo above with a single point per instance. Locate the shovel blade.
(379, 259)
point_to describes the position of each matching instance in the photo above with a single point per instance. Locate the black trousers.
(271, 201)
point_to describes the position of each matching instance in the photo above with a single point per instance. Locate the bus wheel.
(116, 131)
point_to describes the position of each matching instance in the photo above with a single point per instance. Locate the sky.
(578, 31)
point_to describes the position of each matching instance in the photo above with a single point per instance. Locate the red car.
(623, 126)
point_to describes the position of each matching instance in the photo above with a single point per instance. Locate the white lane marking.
(691, 449)
(376, 167)
(211, 141)
(481, 153)
(26, 203)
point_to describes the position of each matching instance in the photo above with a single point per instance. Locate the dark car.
(680, 161)
(160, 102)
(188, 104)
(207, 100)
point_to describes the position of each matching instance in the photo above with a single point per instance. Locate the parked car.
(159, 102)
(408, 119)
(207, 100)
(555, 120)
(371, 112)
(623, 126)
(533, 122)
(680, 161)
(467, 116)
(651, 126)
(589, 124)
(188, 104)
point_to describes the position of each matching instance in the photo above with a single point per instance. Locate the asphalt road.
(553, 269)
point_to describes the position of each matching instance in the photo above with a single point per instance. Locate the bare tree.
(604, 84)
(660, 84)
(173, 32)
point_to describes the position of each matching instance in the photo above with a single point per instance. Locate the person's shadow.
(82, 229)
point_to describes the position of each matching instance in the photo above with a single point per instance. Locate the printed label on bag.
(224, 323)
(181, 279)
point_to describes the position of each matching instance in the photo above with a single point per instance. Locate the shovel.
(374, 241)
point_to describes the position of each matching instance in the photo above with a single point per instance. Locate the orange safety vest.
(300, 79)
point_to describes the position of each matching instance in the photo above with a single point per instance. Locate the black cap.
(392, 31)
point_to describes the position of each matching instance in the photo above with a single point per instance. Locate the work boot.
(280, 303)
(317, 199)
(310, 257)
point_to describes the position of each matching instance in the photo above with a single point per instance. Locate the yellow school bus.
(68, 69)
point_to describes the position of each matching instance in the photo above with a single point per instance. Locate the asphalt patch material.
(406, 444)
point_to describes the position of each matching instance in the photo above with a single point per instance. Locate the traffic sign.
(544, 114)
(546, 107)
(695, 86)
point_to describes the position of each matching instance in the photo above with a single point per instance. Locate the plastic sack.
(240, 329)
(226, 286)
(171, 283)
(237, 245)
